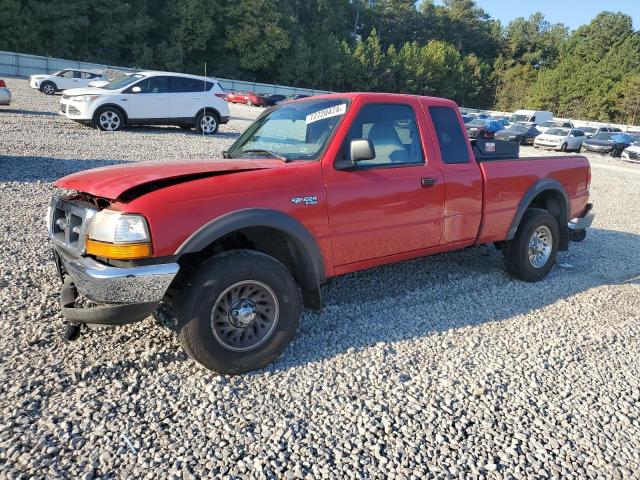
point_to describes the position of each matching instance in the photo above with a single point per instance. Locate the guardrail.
(22, 65)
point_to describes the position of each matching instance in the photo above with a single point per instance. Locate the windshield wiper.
(267, 152)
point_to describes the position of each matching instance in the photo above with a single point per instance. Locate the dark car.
(467, 118)
(523, 134)
(612, 143)
(483, 128)
(271, 100)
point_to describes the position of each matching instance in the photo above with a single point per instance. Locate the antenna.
(204, 94)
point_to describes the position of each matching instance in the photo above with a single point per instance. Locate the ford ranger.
(314, 188)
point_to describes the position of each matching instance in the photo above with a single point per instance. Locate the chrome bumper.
(126, 295)
(584, 221)
(105, 284)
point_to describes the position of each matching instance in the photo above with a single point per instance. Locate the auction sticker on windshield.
(326, 113)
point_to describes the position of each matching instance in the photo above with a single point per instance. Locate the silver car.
(5, 94)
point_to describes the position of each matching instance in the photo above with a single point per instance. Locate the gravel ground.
(440, 367)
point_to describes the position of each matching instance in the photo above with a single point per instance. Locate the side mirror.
(359, 149)
(136, 90)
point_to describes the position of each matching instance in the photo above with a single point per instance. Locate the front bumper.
(126, 294)
(585, 220)
(81, 111)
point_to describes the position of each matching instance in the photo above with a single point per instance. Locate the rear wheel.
(108, 119)
(48, 88)
(532, 253)
(249, 102)
(207, 122)
(238, 312)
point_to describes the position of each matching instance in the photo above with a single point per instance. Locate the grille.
(71, 110)
(633, 155)
(68, 224)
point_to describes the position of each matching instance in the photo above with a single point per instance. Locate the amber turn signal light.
(124, 251)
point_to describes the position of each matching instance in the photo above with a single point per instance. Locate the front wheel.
(108, 119)
(532, 253)
(207, 122)
(238, 312)
(48, 88)
(249, 102)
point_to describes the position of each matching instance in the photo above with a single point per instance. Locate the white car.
(632, 153)
(563, 139)
(5, 94)
(64, 79)
(544, 126)
(150, 98)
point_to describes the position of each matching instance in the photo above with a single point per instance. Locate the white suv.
(50, 84)
(149, 98)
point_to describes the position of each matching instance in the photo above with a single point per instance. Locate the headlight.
(84, 98)
(116, 235)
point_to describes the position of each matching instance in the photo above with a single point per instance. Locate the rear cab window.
(451, 139)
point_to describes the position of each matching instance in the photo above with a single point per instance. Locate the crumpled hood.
(72, 92)
(114, 181)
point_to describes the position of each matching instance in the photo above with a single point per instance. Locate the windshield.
(519, 118)
(561, 132)
(602, 136)
(122, 82)
(621, 138)
(295, 131)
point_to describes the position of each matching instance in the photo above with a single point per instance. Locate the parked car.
(632, 153)
(589, 131)
(544, 126)
(531, 117)
(252, 98)
(518, 132)
(149, 98)
(271, 100)
(504, 121)
(467, 118)
(5, 94)
(241, 267)
(563, 139)
(612, 143)
(64, 79)
(231, 97)
(482, 128)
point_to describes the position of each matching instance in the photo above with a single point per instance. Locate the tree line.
(454, 49)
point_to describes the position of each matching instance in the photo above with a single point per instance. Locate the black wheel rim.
(245, 315)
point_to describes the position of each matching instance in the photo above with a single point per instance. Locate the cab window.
(393, 131)
(451, 140)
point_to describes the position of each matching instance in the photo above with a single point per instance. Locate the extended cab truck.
(312, 189)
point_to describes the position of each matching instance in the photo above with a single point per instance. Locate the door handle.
(428, 182)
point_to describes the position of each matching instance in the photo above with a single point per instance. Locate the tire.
(249, 102)
(232, 281)
(48, 88)
(108, 119)
(207, 122)
(517, 252)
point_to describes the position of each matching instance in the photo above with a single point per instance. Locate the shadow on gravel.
(28, 112)
(45, 169)
(178, 131)
(422, 297)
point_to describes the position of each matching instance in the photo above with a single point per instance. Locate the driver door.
(391, 204)
(153, 100)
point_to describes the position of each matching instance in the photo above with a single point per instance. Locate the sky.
(572, 13)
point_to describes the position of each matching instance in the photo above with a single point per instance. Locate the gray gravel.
(441, 367)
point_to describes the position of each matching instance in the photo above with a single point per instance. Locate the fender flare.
(203, 109)
(312, 268)
(543, 185)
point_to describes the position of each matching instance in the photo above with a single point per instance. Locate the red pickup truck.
(312, 189)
